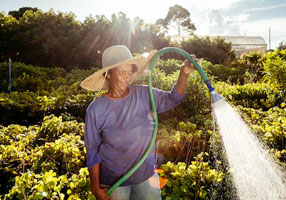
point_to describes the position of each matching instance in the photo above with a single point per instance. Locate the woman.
(119, 125)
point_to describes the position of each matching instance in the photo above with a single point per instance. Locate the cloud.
(262, 29)
(216, 22)
(218, 4)
(247, 18)
(265, 8)
(225, 25)
(236, 25)
(258, 9)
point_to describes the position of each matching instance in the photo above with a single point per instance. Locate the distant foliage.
(56, 39)
(169, 66)
(51, 39)
(37, 92)
(225, 73)
(21, 12)
(255, 95)
(253, 65)
(215, 50)
(29, 77)
(274, 68)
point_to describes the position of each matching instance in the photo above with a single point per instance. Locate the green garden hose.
(152, 142)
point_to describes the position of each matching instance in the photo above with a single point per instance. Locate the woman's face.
(120, 77)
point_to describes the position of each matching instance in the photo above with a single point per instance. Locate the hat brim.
(96, 81)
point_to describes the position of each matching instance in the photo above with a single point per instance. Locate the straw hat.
(116, 56)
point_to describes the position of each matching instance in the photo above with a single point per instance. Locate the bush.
(169, 66)
(48, 185)
(33, 78)
(55, 145)
(30, 107)
(175, 139)
(255, 95)
(28, 77)
(195, 181)
(274, 65)
(226, 73)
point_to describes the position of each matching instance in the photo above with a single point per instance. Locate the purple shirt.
(118, 132)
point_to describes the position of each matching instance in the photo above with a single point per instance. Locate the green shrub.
(55, 145)
(227, 74)
(48, 185)
(195, 181)
(274, 65)
(28, 77)
(33, 78)
(27, 108)
(169, 66)
(255, 95)
(181, 141)
(65, 155)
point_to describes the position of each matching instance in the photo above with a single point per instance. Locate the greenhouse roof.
(245, 40)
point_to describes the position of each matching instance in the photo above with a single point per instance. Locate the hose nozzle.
(215, 96)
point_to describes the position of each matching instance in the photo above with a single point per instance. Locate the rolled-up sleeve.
(165, 100)
(92, 139)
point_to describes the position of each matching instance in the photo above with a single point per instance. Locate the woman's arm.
(92, 141)
(165, 100)
(99, 192)
(185, 71)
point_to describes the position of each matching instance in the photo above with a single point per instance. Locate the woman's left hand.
(187, 66)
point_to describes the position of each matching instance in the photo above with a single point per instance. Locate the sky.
(211, 17)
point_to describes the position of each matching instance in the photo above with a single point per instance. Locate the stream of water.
(256, 175)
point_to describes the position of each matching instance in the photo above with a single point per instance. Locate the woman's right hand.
(100, 193)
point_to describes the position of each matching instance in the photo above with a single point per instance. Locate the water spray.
(215, 98)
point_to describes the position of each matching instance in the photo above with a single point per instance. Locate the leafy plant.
(189, 182)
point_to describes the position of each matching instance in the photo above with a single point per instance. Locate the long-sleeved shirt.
(118, 132)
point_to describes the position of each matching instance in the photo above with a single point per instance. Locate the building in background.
(246, 44)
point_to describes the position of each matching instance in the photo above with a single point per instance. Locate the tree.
(50, 39)
(215, 50)
(21, 11)
(147, 37)
(179, 19)
(8, 30)
(282, 46)
(45, 39)
(94, 40)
